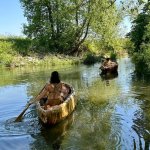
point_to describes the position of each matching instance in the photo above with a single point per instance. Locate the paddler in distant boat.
(106, 63)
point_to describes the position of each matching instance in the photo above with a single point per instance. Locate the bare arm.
(43, 93)
(65, 91)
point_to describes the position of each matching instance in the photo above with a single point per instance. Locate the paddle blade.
(19, 118)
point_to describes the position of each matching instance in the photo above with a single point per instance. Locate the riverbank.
(20, 52)
(53, 60)
(42, 60)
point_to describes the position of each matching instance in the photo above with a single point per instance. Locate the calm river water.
(111, 114)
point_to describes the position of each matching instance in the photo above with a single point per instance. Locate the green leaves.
(63, 25)
(140, 36)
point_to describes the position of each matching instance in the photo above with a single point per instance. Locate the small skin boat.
(112, 68)
(57, 113)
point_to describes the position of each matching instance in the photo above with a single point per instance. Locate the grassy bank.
(19, 51)
(44, 60)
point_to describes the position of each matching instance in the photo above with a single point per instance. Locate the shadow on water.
(51, 137)
(31, 134)
(109, 76)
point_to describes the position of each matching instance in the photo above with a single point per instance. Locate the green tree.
(140, 36)
(105, 24)
(57, 25)
(63, 25)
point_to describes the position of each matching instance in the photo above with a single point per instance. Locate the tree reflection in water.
(142, 116)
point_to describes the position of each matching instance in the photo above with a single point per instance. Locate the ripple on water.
(17, 135)
(16, 142)
(115, 135)
(11, 128)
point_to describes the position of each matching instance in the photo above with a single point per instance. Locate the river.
(111, 113)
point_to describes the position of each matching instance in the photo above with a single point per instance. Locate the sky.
(12, 18)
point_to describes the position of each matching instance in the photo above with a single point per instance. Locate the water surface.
(112, 112)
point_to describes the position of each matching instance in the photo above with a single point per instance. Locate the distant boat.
(111, 68)
(57, 113)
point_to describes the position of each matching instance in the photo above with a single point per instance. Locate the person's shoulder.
(63, 83)
(48, 86)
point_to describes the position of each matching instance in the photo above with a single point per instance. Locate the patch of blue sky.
(11, 18)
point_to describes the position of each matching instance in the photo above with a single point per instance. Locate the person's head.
(107, 58)
(54, 77)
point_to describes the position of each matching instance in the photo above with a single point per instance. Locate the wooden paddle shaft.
(27, 106)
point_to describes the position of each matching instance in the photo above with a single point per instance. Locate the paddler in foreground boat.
(54, 92)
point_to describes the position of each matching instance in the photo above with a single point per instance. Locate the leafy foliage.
(56, 25)
(105, 24)
(90, 59)
(12, 47)
(140, 36)
(63, 26)
(6, 52)
(18, 44)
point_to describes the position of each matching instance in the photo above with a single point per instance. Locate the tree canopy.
(63, 25)
(140, 36)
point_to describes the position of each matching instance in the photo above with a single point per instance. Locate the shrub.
(90, 59)
(6, 52)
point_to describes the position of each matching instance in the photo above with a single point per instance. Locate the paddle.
(19, 118)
